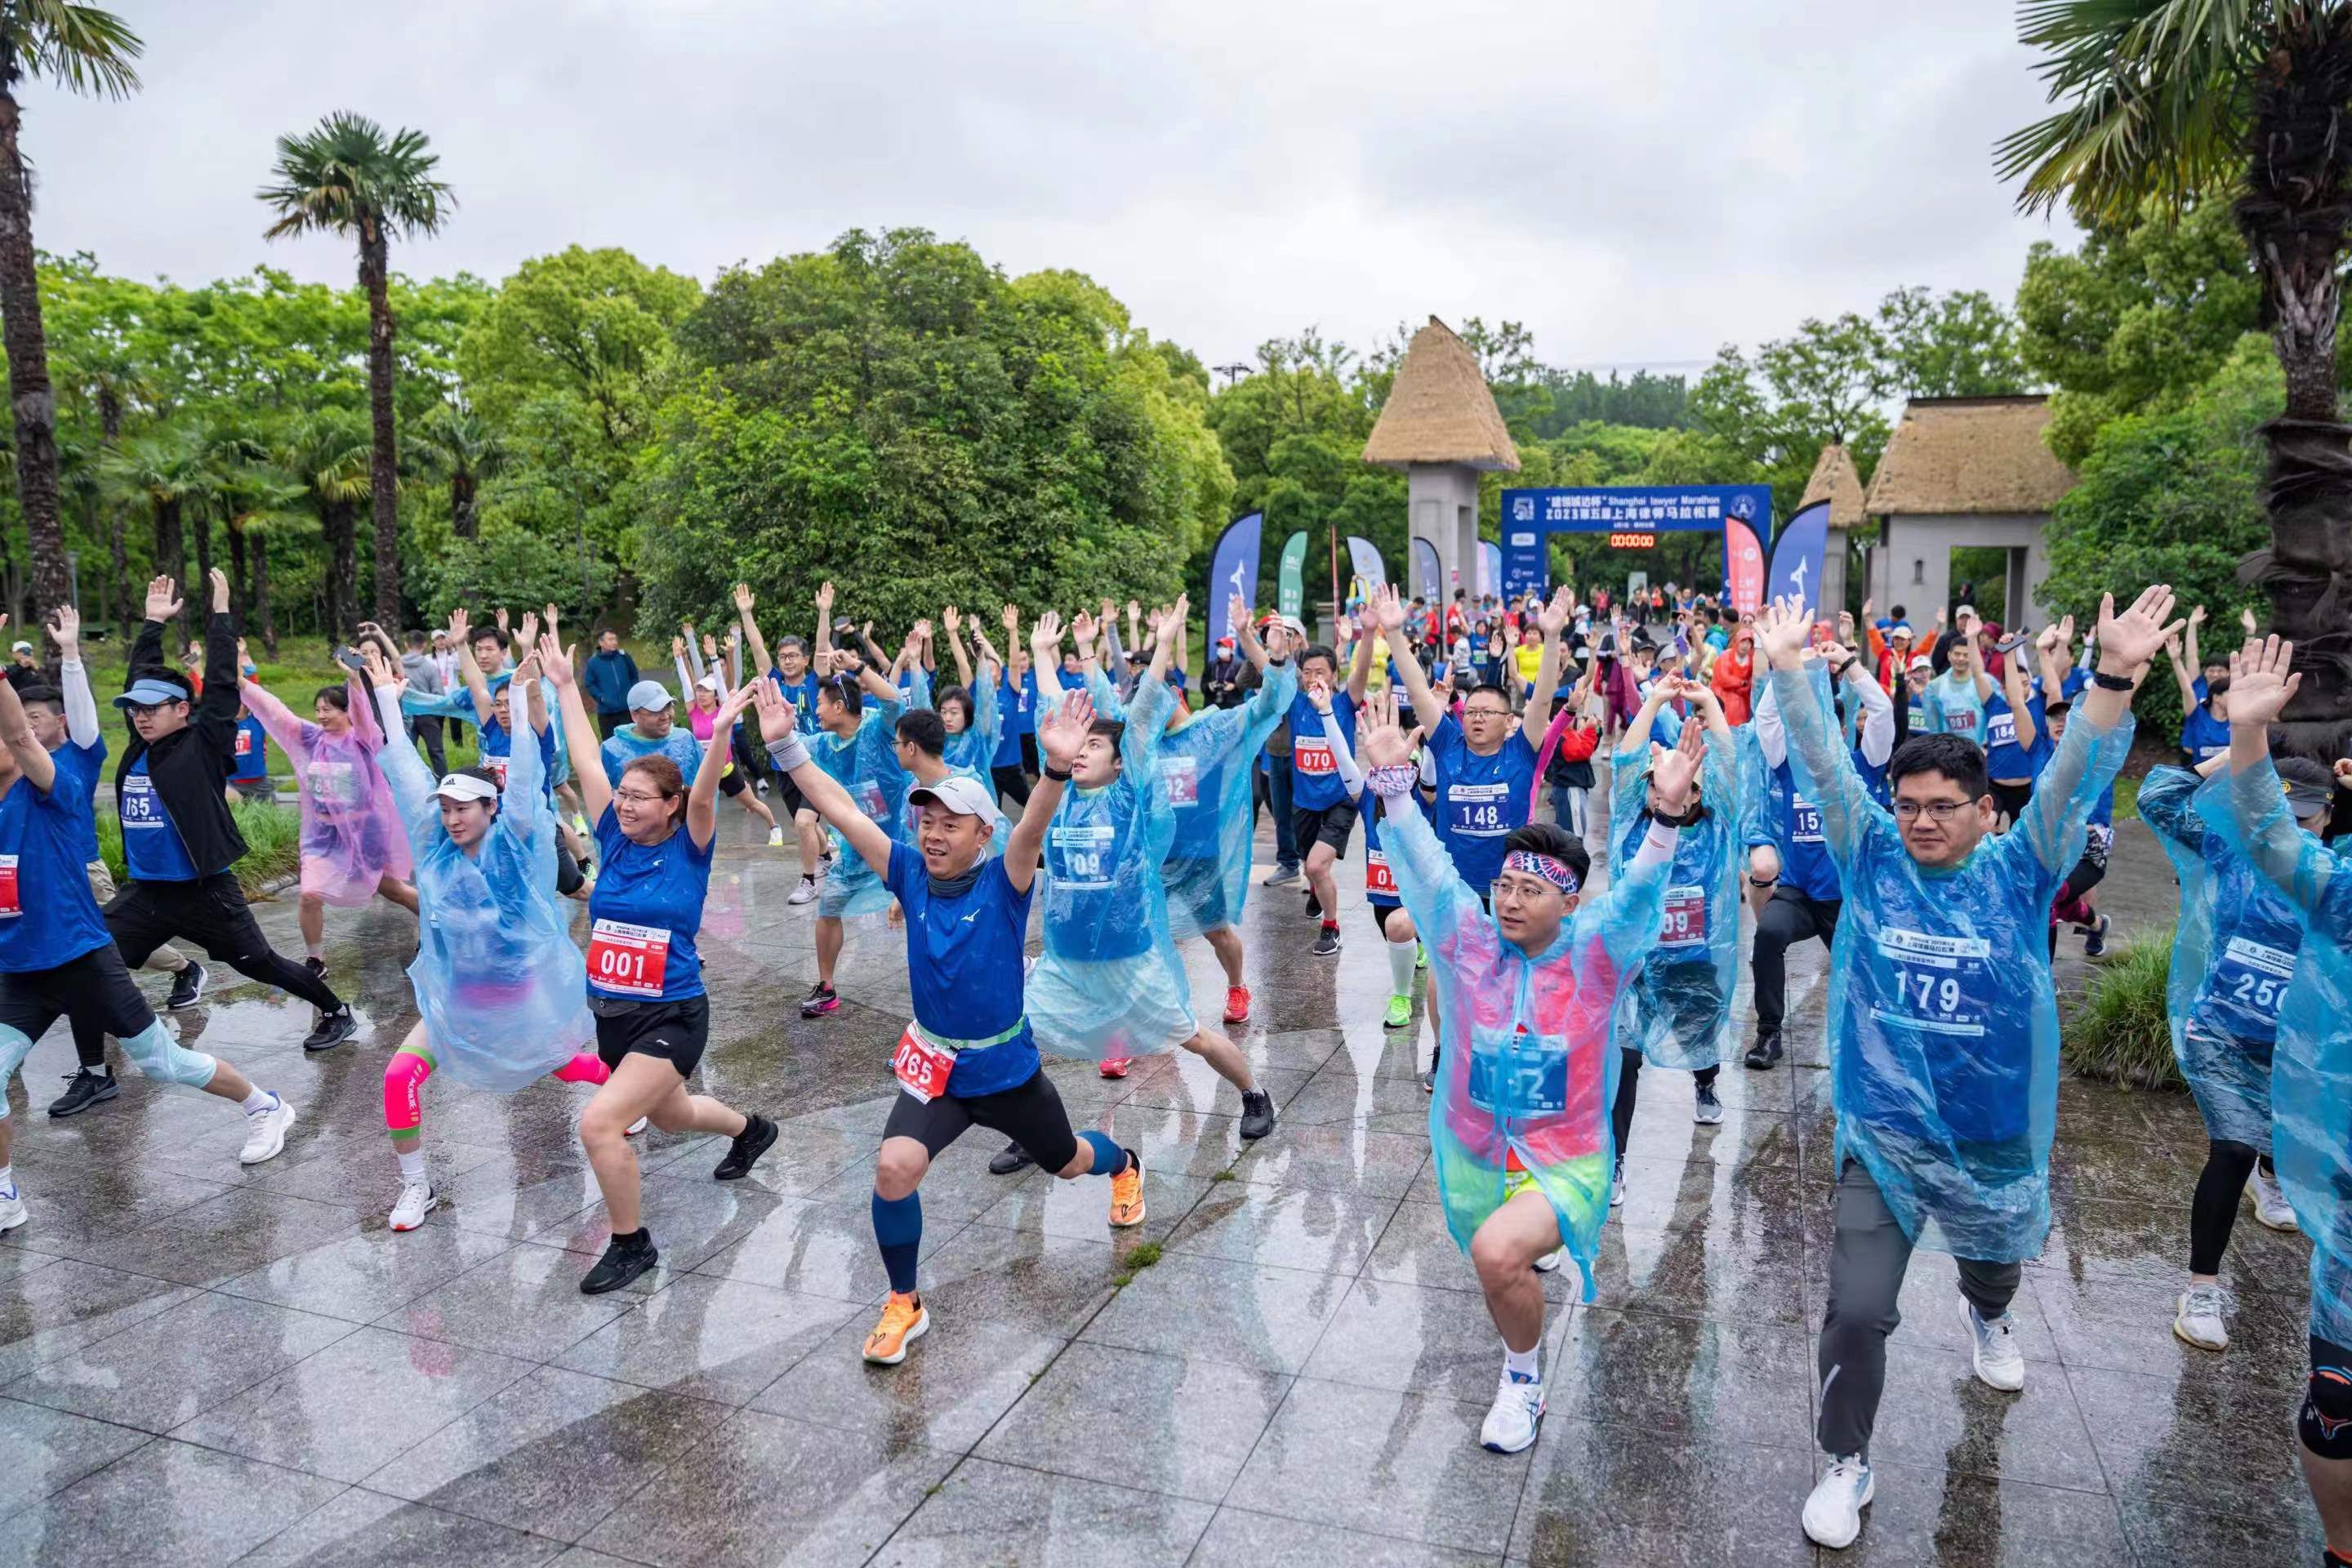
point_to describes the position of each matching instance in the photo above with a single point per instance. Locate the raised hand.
(744, 598)
(502, 620)
(1783, 632)
(731, 705)
(549, 615)
(709, 647)
(1237, 614)
(1674, 774)
(529, 627)
(2128, 641)
(2260, 684)
(1169, 619)
(1381, 741)
(1867, 606)
(824, 598)
(922, 632)
(777, 715)
(1083, 628)
(65, 630)
(459, 625)
(1046, 637)
(219, 579)
(2246, 619)
(1555, 616)
(678, 647)
(2342, 771)
(1012, 618)
(1061, 733)
(2196, 617)
(1387, 609)
(528, 670)
(163, 600)
(555, 661)
(951, 618)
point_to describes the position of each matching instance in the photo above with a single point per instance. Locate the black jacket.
(190, 767)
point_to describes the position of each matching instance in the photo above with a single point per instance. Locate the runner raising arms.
(969, 1057)
(792, 676)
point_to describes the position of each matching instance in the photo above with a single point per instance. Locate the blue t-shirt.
(626, 745)
(152, 845)
(1016, 712)
(1479, 799)
(252, 754)
(1315, 782)
(2004, 758)
(498, 745)
(1380, 882)
(802, 695)
(77, 774)
(656, 889)
(964, 971)
(1805, 863)
(2202, 736)
(41, 868)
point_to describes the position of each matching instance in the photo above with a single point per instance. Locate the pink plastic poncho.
(352, 836)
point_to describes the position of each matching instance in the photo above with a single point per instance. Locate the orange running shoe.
(904, 1322)
(1116, 1066)
(1237, 1001)
(1126, 1195)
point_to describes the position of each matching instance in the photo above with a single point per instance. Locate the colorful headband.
(1550, 870)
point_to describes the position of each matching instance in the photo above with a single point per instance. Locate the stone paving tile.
(362, 1529)
(1002, 1513)
(176, 1366)
(167, 1502)
(964, 1374)
(1254, 1315)
(1185, 1426)
(1600, 1496)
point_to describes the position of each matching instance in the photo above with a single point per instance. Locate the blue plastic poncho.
(1530, 1096)
(1110, 982)
(1204, 764)
(1757, 826)
(864, 763)
(459, 703)
(2311, 1070)
(2233, 953)
(973, 751)
(626, 744)
(499, 980)
(1678, 1011)
(1943, 1020)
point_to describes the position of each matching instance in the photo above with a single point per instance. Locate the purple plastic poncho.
(351, 835)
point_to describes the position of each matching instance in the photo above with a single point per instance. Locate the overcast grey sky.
(1638, 183)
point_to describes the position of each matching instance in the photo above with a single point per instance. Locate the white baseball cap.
(1921, 661)
(462, 786)
(958, 795)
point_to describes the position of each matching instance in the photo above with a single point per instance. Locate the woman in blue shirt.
(653, 839)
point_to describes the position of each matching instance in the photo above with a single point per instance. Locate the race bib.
(335, 783)
(2001, 730)
(1944, 985)
(9, 905)
(1181, 775)
(140, 807)
(868, 795)
(1083, 852)
(2254, 975)
(921, 1065)
(628, 958)
(1524, 1076)
(1921, 723)
(245, 742)
(1685, 918)
(1313, 757)
(1960, 720)
(1377, 878)
(1806, 819)
(1477, 810)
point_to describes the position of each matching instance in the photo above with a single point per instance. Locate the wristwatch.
(2105, 682)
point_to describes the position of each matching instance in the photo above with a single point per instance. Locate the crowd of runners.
(1936, 809)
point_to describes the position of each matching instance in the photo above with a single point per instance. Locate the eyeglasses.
(1939, 811)
(145, 709)
(1486, 712)
(638, 797)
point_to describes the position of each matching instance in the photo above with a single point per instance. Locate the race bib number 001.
(1944, 985)
(628, 958)
(1685, 918)
(920, 1066)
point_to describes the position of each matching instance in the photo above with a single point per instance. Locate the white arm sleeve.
(81, 708)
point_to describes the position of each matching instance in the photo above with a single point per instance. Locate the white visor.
(458, 786)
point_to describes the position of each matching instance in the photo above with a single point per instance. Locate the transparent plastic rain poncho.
(1540, 1070)
(864, 763)
(1755, 817)
(498, 978)
(1110, 982)
(1943, 1024)
(459, 703)
(2311, 1070)
(1205, 765)
(974, 750)
(351, 837)
(2233, 953)
(1678, 1011)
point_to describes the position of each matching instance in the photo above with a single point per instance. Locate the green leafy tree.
(84, 49)
(347, 177)
(1963, 344)
(2181, 102)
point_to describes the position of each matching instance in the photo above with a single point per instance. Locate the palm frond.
(344, 174)
(87, 48)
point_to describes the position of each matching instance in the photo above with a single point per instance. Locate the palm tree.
(327, 454)
(170, 470)
(269, 502)
(458, 444)
(2179, 102)
(346, 177)
(86, 51)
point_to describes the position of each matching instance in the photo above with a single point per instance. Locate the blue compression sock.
(1109, 1158)
(899, 1230)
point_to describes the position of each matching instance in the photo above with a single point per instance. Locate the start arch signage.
(1633, 516)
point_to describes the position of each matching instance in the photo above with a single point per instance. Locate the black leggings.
(1629, 1075)
(1788, 917)
(1030, 1115)
(211, 914)
(1010, 783)
(2214, 1209)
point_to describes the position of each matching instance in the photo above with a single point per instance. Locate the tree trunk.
(119, 558)
(463, 522)
(384, 460)
(343, 573)
(31, 399)
(239, 598)
(203, 527)
(2294, 216)
(261, 606)
(171, 553)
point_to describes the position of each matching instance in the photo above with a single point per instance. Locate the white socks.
(259, 1101)
(1525, 1363)
(412, 1165)
(7, 1180)
(1402, 958)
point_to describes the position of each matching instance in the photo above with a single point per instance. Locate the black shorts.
(1383, 914)
(789, 795)
(210, 911)
(1030, 1115)
(1331, 826)
(676, 1032)
(94, 989)
(2010, 800)
(731, 782)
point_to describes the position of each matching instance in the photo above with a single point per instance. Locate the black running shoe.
(1257, 1113)
(624, 1259)
(1011, 1158)
(1314, 905)
(2095, 938)
(333, 1030)
(759, 1136)
(85, 1090)
(187, 987)
(317, 966)
(1326, 942)
(819, 1002)
(1765, 1051)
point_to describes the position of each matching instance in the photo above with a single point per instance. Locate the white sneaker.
(2271, 1207)
(776, 838)
(2199, 1319)
(633, 1128)
(1999, 1364)
(804, 893)
(265, 1131)
(1517, 1412)
(416, 1200)
(1550, 1261)
(1617, 1187)
(1708, 1110)
(13, 1212)
(1833, 1512)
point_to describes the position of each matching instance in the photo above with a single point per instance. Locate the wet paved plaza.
(206, 1364)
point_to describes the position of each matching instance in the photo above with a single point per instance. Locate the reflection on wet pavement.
(203, 1364)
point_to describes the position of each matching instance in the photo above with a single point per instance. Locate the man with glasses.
(1943, 1022)
(180, 843)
